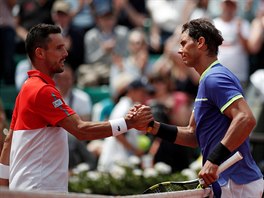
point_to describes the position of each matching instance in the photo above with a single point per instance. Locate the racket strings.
(170, 187)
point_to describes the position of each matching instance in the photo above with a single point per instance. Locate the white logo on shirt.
(57, 103)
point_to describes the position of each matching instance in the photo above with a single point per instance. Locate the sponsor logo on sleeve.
(57, 103)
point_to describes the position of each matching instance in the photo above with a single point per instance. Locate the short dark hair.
(204, 28)
(38, 36)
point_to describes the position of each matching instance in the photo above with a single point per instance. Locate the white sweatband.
(4, 171)
(118, 126)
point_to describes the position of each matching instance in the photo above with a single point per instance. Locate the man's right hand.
(139, 117)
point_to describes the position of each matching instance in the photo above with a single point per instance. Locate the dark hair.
(204, 28)
(38, 36)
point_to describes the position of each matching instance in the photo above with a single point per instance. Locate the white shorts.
(251, 190)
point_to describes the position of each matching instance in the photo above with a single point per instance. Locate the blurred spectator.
(166, 16)
(172, 107)
(137, 62)
(178, 104)
(175, 88)
(201, 10)
(73, 41)
(178, 157)
(102, 44)
(77, 99)
(80, 101)
(234, 51)
(7, 40)
(245, 8)
(82, 13)
(118, 149)
(256, 40)
(73, 35)
(102, 109)
(170, 64)
(22, 68)
(27, 14)
(248, 11)
(131, 13)
(165, 63)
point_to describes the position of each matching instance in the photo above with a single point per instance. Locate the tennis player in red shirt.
(35, 153)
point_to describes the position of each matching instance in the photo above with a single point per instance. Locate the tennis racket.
(169, 186)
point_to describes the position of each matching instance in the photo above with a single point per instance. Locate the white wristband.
(118, 126)
(4, 171)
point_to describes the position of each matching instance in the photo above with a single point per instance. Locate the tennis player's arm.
(4, 158)
(184, 136)
(242, 123)
(85, 130)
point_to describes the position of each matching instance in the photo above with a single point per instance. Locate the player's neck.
(205, 63)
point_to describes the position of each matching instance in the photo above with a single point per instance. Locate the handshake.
(140, 118)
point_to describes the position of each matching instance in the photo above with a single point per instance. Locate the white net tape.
(198, 193)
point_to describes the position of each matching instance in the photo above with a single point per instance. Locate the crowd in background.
(131, 46)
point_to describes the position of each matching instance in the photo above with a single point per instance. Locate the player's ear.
(39, 52)
(201, 43)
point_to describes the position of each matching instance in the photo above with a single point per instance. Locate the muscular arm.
(241, 125)
(185, 136)
(84, 130)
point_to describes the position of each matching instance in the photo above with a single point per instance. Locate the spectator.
(82, 13)
(170, 64)
(73, 35)
(233, 53)
(137, 62)
(166, 16)
(7, 40)
(178, 157)
(22, 68)
(118, 149)
(101, 44)
(178, 104)
(248, 10)
(76, 98)
(201, 10)
(27, 14)
(131, 13)
(256, 40)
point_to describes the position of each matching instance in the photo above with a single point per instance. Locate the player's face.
(188, 50)
(55, 54)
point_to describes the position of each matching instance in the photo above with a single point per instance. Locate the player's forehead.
(56, 39)
(185, 37)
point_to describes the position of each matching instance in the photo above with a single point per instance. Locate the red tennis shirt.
(39, 151)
